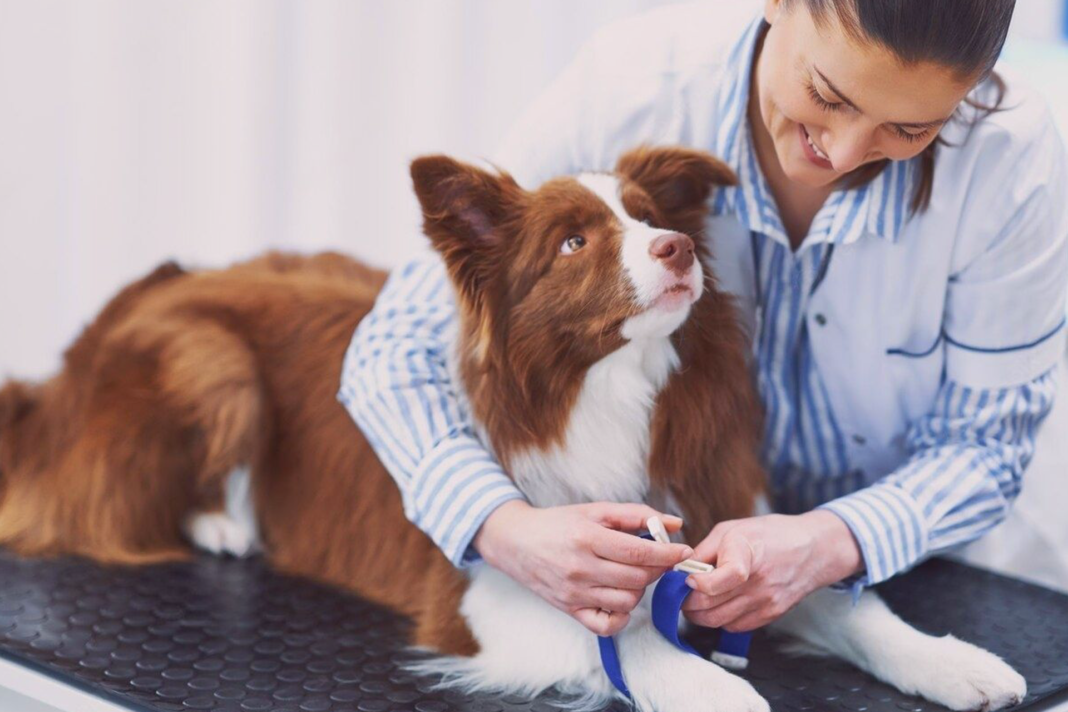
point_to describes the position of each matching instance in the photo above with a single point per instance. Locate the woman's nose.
(849, 147)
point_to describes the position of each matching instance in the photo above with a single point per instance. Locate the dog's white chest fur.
(605, 453)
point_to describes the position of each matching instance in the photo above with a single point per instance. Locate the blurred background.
(133, 131)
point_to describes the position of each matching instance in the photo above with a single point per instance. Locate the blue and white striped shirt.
(967, 454)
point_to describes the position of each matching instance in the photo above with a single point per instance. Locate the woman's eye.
(820, 101)
(573, 244)
(910, 137)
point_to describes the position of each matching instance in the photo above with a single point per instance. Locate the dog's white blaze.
(644, 272)
(647, 275)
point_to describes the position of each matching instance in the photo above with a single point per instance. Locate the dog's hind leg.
(945, 670)
(230, 529)
(210, 374)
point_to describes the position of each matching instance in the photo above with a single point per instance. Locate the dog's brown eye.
(573, 244)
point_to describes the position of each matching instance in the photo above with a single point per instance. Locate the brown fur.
(185, 376)
(181, 378)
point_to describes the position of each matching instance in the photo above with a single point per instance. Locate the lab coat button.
(859, 439)
(821, 319)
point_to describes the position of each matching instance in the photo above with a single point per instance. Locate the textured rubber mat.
(232, 636)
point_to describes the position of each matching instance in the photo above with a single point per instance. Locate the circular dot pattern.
(231, 636)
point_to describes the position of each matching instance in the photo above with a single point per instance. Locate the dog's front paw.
(691, 684)
(962, 676)
(220, 533)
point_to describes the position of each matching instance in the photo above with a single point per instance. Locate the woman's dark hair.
(964, 35)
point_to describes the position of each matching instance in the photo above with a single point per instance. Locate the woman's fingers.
(632, 517)
(750, 621)
(601, 622)
(629, 549)
(614, 600)
(734, 562)
(616, 575)
(725, 614)
(698, 601)
(706, 550)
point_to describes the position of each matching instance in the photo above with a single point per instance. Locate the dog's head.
(552, 280)
(584, 263)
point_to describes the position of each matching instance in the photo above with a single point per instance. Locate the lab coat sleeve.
(396, 386)
(968, 458)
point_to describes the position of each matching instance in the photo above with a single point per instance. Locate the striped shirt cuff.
(889, 528)
(456, 486)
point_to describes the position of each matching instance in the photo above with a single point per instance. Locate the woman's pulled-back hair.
(965, 36)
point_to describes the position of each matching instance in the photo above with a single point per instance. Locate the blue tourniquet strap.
(668, 596)
(736, 644)
(610, 663)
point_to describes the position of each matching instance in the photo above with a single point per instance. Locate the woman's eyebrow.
(836, 90)
(847, 100)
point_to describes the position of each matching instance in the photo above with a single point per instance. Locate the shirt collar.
(880, 207)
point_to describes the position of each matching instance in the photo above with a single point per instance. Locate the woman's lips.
(810, 153)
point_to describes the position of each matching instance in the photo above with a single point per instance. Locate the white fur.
(232, 531)
(604, 453)
(945, 670)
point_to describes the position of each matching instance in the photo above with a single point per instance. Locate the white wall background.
(132, 131)
(137, 130)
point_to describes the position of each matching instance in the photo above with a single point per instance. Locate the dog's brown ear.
(465, 214)
(16, 400)
(679, 180)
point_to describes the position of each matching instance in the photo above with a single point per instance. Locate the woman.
(898, 245)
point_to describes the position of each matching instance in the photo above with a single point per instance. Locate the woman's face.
(831, 104)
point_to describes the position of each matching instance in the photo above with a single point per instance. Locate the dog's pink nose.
(675, 250)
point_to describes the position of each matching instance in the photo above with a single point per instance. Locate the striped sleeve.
(968, 459)
(395, 384)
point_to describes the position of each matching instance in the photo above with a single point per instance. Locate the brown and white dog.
(602, 364)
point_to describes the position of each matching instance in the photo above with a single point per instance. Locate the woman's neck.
(797, 204)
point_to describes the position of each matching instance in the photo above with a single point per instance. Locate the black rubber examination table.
(229, 635)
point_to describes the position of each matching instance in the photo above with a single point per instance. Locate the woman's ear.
(679, 180)
(772, 8)
(465, 214)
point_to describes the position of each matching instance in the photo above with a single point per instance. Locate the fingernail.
(687, 553)
(672, 517)
(691, 582)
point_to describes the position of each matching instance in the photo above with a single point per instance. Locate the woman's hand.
(765, 565)
(580, 558)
